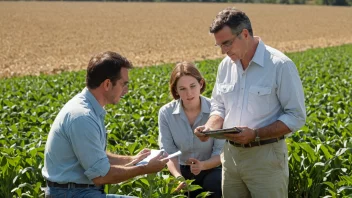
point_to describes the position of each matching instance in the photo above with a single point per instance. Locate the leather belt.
(252, 144)
(70, 185)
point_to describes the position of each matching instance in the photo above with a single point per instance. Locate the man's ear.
(245, 33)
(106, 84)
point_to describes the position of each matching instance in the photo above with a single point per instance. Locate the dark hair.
(184, 69)
(233, 18)
(105, 65)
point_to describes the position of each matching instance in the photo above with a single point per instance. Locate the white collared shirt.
(269, 89)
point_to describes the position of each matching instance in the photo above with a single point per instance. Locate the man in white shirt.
(257, 89)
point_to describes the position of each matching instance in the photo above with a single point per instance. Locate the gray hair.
(235, 19)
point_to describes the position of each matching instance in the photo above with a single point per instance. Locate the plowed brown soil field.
(50, 37)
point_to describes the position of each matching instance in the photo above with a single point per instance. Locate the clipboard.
(219, 133)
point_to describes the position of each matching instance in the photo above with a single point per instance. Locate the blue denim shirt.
(175, 132)
(75, 148)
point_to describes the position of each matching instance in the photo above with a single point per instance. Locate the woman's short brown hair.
(184, 69)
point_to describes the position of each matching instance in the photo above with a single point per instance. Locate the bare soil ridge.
(50, 37)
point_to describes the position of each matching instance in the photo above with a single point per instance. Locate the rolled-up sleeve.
(165, 138)
(217, 103)
(291, 96)
(85, 138)
(217, 147)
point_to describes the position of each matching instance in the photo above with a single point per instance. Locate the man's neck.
(98, 96)
(253, 44)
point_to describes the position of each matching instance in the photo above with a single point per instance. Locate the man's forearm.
(274, 130)
(119, 174)
(115, 159)
(215, 122)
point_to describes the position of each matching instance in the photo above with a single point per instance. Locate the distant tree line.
(316, 2)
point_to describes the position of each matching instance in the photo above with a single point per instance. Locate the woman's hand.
(195, 165)
(182, 183)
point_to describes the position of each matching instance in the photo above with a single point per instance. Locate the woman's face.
(188, 88)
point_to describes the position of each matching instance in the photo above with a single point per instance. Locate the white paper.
(178, 153)
(153, 153)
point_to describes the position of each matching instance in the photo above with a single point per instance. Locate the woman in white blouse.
(177, 121)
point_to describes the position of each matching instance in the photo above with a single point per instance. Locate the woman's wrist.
(177, 175)
(202, 165)
(180, 179)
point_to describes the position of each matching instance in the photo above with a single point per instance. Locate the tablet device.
(219, 133)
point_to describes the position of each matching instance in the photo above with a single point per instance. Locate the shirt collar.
(98, 109)
(205, 108)
(259, 53)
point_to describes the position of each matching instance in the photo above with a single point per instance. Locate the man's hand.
(198, 132)
(196, 166)
(157, 163)
(246, 136)
(139, 157)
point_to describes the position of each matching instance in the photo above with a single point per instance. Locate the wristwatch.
(257, 138)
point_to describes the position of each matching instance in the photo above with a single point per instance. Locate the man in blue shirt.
(76, 163)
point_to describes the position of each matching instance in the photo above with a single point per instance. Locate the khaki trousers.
(256, 172)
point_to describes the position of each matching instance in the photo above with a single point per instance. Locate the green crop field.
(320, 159)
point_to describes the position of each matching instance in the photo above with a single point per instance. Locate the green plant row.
(320, 154)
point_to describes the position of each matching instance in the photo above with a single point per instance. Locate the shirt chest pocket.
(259, 100)
(225, 87)
(227, 91)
